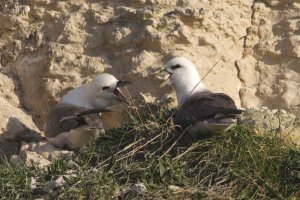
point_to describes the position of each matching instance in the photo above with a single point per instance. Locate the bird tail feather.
(229, 113)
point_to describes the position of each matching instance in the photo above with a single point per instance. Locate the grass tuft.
(149, 150)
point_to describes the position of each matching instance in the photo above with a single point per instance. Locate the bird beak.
(164, 72)
(118, 93)
(122, 83)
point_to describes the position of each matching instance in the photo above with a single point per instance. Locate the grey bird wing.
(65, 117)
(202, 106)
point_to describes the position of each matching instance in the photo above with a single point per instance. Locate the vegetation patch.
(150, 159)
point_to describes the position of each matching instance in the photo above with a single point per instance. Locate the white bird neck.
(184, 92)
(186, 87)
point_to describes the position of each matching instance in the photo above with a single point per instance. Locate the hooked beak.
(122, 83)
(118, 93)
(164, 72)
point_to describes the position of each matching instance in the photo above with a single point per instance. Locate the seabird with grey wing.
(75, 120)
(200, 110)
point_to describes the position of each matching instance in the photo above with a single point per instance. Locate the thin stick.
(129, 153)
(92, 111)
(134, 105)
(215, 64)
(175, 142)
(185, 152)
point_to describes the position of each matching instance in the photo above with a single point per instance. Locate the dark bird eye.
(105, 88)
(175, 66)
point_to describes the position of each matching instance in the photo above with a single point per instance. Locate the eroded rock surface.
(274, 123)
(40, 154)
(48, 47)
(270, 67)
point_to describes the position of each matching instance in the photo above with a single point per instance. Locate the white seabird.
(75, 120)
(200, 110)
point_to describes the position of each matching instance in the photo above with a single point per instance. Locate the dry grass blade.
(236, 165)
(176, 141)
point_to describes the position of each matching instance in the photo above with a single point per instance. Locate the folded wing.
(65, 117)
(209, 107)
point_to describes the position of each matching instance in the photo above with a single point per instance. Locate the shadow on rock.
(16, 132)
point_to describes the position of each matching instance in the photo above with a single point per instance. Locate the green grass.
(237, 165)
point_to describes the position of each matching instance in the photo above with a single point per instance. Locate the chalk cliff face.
(48, 47)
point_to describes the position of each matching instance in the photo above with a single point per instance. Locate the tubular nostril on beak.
(160, 73)
(122, 83)
(164, 72)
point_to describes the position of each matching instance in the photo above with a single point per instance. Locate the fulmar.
(200, 110)
(75, 120)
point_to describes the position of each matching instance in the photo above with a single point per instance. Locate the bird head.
(104, 90)
(181, 71)
(184, 76)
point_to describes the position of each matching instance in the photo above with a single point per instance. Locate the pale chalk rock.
(32, 183)
(148, 98)
(278, 2)
(30, 159)
(15, 124)
(46, 49)
(247, 73)
(139, 188)
(175, 189)
(51, 185)
(47, 150)
(143, 61)
(40, 154)
(249, 93)
(274, 122)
